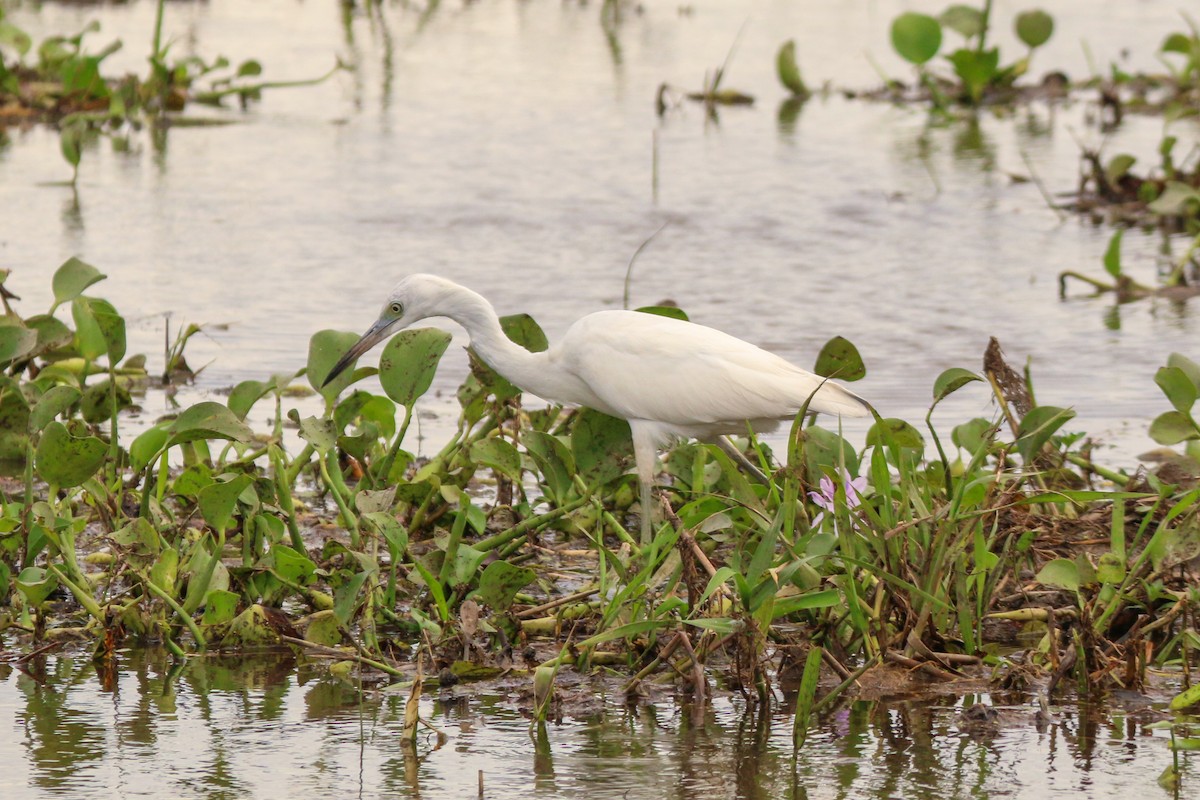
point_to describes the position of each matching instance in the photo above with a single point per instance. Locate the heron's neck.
(530, 372)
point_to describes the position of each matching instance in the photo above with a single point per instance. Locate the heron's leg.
(645, 452)
(749, 466)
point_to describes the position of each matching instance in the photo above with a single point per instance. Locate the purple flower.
(826, 495)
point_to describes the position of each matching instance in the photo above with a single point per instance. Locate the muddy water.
(264, 727)
(513, 146)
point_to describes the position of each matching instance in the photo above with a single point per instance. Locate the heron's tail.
(833, 398)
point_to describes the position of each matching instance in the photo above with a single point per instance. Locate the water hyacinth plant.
(202, 532)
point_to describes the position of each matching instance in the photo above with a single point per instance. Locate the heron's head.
(414, 298)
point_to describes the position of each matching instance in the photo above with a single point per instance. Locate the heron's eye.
(397, 309)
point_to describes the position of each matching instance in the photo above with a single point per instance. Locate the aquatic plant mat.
(999, 556)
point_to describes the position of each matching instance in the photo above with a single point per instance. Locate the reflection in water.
(264, 726)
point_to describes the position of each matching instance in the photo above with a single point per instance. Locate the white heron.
(667, 378)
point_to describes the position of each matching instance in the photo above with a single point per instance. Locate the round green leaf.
(1189, 367)
(218, 500)
(243, 397)
(1034, 28)
(325, 349)
(147, 446)
(1178, 388)
(964, 20)
(601, 445)
(99, 329)
(208, 420)
(16, 341)
(499, 455)
(896, 430)
(36, 584)
(500, 582)
(840, 359)
(1037, 427)
(951, 381)
(65, 460)
(55, 401)
(1173, 427)
(409, 361)
(72, 278)
(916, 37)
(972, 434)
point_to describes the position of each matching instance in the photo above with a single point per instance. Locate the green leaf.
(1110, 569)
(70, 141)
(243, 397)
(894, 429)
(65, 460)
(840, 359)
(16, 341)
(1175, 199)
(147, 446)
(409, 362)
(1112, 254)
(292, 566)
(1178, 43)
(951, 381)
(601, 446)
(72, 278)
(102, 401)
(916, 37)
(964, 20)
(1117, 168)
(220, 606)
(826, 451)
(1189, 367)
(1185, 699)
(99, 329)
(1037, 427)
(1034, 28)
(1173, 427)
(499, 455)
(319, 433)
(36, 584)
(1177, 386)
(345, 599)
(325, 349)
(56, 400)
(219, 499)
(1061, 573)
(789, 71)
(827, 598)
(13, 38)
(976, 68)
(554, 461)
(500, 582)
(671, 312)
(208, 420)
(249, 68)
(165, 569)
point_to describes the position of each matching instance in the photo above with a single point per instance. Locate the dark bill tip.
(369, 339)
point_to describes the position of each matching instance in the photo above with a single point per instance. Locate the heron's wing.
(643, 366)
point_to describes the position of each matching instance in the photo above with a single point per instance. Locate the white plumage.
(667, 378)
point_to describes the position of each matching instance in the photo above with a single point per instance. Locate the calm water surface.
(264, 727)
(512, 146)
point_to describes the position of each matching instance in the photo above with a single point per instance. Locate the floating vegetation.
(509, 548)
(61, 82)
(976, 75)
(1180, 283)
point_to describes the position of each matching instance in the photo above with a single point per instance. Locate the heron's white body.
(666, 377)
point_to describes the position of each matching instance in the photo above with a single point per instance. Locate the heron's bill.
(374, 335)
